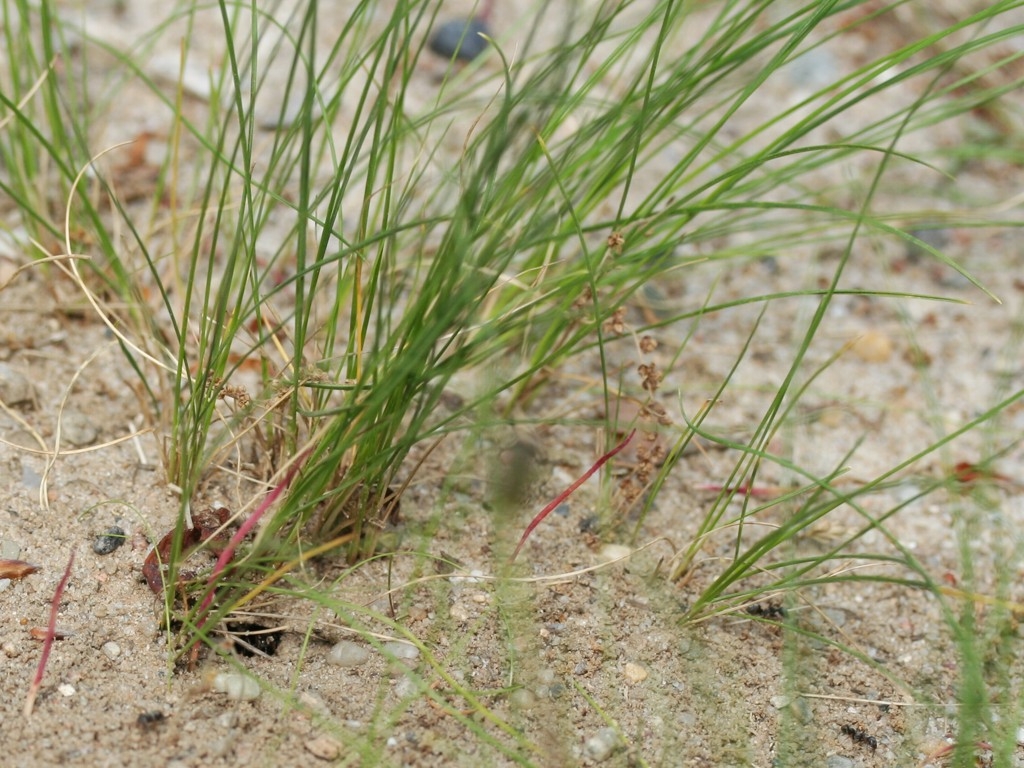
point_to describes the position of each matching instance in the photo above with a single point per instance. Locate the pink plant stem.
(240, 534)
(51, 632)
(567, 492)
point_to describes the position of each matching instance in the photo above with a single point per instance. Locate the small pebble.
(15, 388)
(634, 673)
(611, 552)
(839, 761)
(109, 540)
(816, 68)
(460, 39)
(836, 616)
(221, 747)
(111, 650)
(77, 429)
(936, 238)
(687, 719)
(402, 651)
(30, 478)
(10, 549)
(236, 686)
(475, 577)
(314, 702)
(347, 654)
(601, 745)
(66, 689)
(405, 687)
(522, 698)
(324, 748)
(873, 347)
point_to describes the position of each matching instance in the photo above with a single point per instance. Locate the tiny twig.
(567, 492)
(51, 632)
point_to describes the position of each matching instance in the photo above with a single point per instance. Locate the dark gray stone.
(459, 39)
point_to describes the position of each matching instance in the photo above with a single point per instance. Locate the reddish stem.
(243, 531)
(567, 492)
(51, 632)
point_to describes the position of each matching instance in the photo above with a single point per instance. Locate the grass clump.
(335, 233)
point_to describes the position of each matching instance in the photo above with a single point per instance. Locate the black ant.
(860, 737)
(767, 611)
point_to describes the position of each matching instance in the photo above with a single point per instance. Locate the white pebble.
(314, 702)
(111, 650)
(347, 654)
(475, 577)
(66, 689)
(600, 746)
(10, 550)
(405, 687)
(402, 651)
(634, 673)
(611, 552)
(238, 687)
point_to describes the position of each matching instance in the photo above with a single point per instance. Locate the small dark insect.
(860, 737)
(767, 611)
(109, 540)
(147, 721)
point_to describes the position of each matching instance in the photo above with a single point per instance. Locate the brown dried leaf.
(16, 569)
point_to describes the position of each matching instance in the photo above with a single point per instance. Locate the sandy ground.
(587, 660)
